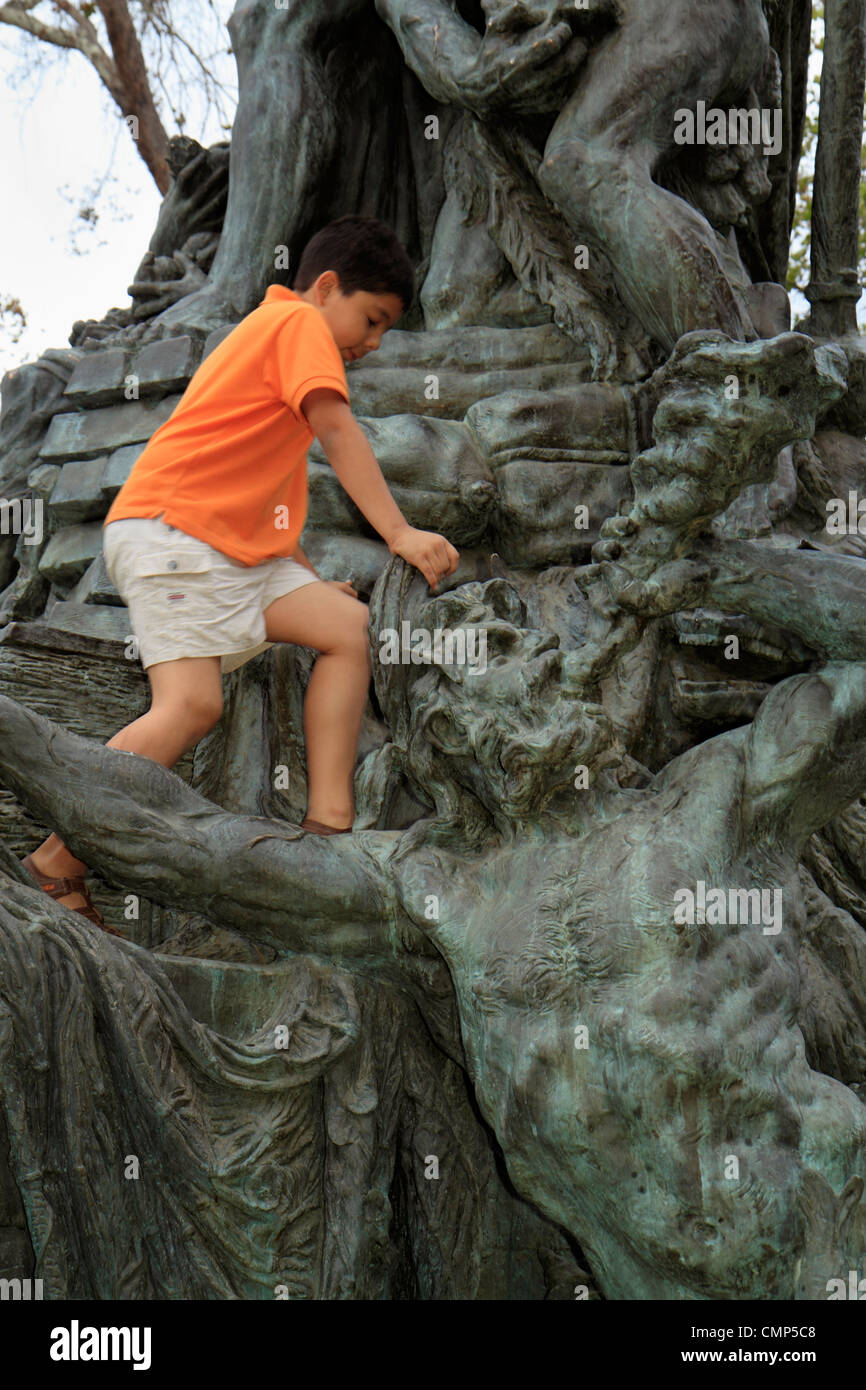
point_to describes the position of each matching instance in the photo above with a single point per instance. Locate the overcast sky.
(65, 147)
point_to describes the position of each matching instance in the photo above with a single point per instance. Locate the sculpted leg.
(611, 136)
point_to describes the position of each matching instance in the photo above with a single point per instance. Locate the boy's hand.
(343, 584)
(430, 553)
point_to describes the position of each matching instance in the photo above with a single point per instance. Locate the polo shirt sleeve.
(306, 356)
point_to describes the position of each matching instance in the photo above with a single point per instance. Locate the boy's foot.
(316, 827)
(62, 888)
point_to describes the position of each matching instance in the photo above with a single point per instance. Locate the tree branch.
(123, 72)
(84, 38)
(137, 97)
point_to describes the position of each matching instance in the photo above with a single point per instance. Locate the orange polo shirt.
(232, 456)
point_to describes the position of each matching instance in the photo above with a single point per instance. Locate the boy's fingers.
(443, 559)
(448, 558)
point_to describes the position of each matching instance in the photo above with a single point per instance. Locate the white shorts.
(187, 599)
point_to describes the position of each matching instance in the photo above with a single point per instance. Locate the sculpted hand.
(524, 73)
(202, 187)
(673, 588)
(430, 553)
(151, 296)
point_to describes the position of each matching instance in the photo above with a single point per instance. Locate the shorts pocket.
(169, 566)
(139, 578)
(189, 590)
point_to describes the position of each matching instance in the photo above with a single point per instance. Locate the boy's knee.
(357, 635)
(201, 712)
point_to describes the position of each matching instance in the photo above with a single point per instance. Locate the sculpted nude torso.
(625, 1135)
(615, 125)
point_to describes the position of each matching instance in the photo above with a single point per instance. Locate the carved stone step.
(90, 622)
(395, 391)
(98, 379)
(95, 587)
(537, 523)
(163, 367)
(69, 552)
(469, 364)
(86, 434)
(434, 468)
(156, 369)
(78, 494)
(119, 467)
(592, 423)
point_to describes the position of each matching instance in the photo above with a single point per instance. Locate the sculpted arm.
(437, 44)
(518, 71)
(141, 826)
(806, 750)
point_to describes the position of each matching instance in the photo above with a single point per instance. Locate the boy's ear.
(328, 283)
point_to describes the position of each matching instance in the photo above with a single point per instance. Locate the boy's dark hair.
(364, 253)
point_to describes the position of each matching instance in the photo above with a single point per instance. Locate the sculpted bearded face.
(508, 729)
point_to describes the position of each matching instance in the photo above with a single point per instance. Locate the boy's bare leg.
(335, 625)
(186, 702)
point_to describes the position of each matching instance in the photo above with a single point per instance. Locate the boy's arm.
(349, 454)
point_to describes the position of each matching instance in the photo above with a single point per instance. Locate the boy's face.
(357, 321)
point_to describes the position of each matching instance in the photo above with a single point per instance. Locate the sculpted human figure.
(615, 128)
(594, 84)
(295, 67)
(555, 914)
(644, 1073)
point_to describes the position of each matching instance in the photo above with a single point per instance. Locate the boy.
(202, 541)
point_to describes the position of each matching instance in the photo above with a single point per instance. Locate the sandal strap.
(60, 887)
(56, 887)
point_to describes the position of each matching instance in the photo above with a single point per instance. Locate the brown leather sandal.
(59, 887)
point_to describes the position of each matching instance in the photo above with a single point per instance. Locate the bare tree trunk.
(123, 71)
(834, 290)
